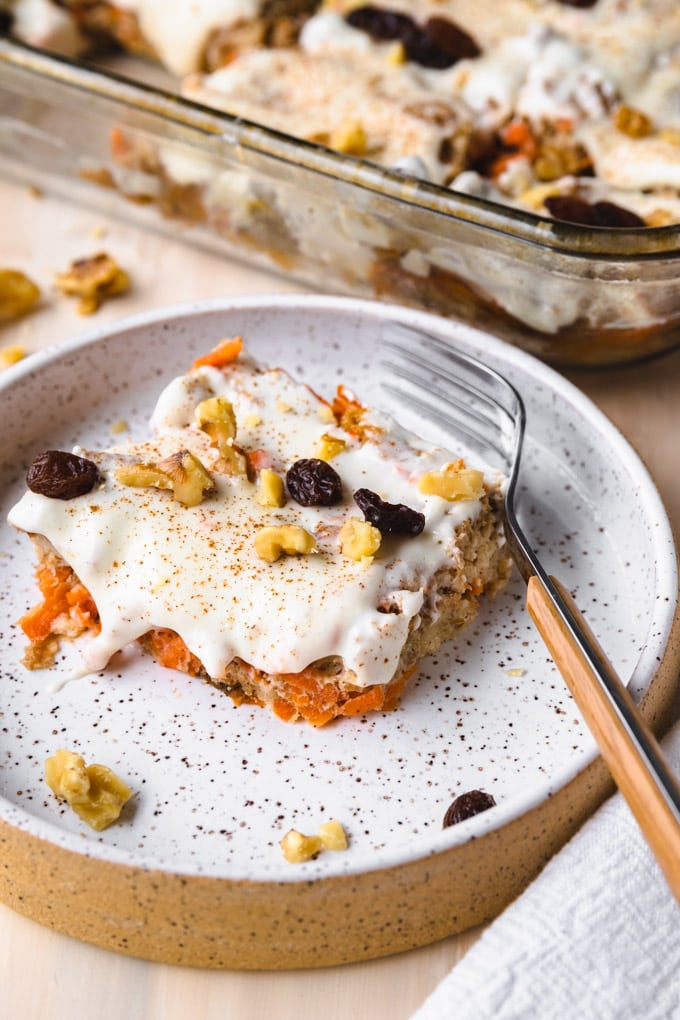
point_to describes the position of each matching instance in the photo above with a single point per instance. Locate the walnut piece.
(96, 794)
(182, 472)
(349, 137)
(329, 446)
(297, 847)
(291, 539)
(333, 836)
(11, 355)
(93, 280)
(453, 482)
(632, 122)
(270, 489)
(215, 416)
(359, 539)
(18, 294)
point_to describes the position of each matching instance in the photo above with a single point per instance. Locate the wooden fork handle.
(628, 746)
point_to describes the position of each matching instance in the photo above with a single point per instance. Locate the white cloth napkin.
(595, 937)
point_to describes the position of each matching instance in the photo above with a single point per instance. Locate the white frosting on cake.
(151, 562)
(179, 31)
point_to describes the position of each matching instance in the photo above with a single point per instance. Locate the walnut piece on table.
(93, 279)
(18, 294)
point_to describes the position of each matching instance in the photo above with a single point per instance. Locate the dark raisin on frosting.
(572, 209)
(61, 475)
(437, 44)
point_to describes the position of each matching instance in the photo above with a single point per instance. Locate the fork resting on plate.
(478, 406)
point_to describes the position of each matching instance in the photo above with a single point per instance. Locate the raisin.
(577, 3)
(389, 518)
(61, 475)
(381, 25)
(608, 214)
(466, 805)
(6, 22)
(452, 42)
(572, 209)
(313, 482)
(438, 44)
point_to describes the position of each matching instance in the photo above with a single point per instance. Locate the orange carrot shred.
(226, 351)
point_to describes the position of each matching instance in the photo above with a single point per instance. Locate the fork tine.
(473, 400)
(488, 380)
(421, 397)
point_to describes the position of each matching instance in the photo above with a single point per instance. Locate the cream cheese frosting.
(150, 562)
(179, 32)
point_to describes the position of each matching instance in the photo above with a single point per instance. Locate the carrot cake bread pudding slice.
(295, 553)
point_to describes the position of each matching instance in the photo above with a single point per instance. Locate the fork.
(479, 406)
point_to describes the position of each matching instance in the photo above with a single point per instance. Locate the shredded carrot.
(119, 144)
(518, 138)
(283, 710)
(344, 401)
(395, 689)
(349, 414)
(170, 650)
(518, 135)
(256, 460)
(299, 694)
(63, 596)
(226, 351)
(370, 701)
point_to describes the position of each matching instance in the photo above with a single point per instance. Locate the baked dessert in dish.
(552, 107)
(295, 553)
(183, 36)
(565, 109)
(513, 165)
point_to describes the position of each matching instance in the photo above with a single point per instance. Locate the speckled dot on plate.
(195, 862)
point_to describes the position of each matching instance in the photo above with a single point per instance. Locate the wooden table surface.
(47, 975)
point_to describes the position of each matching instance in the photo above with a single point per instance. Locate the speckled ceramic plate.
(193, 872)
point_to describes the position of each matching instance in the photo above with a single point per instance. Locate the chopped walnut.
(333, 836)
(632, 122)
(329, 446)
(291, 539)
(11, 355)
(96, 794)
(349, 138)
(216, 417)
(93, 280)
(270, 490)
(455, 481)
(297, 847)
(359, 539)
(182, 472)
(18, 294)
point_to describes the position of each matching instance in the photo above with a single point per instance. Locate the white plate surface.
(217, 786)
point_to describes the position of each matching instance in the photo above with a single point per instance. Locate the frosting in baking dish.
(179, 31)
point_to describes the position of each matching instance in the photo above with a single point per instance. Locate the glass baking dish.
(571, 295)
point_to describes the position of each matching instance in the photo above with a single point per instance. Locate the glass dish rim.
(540, 232)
